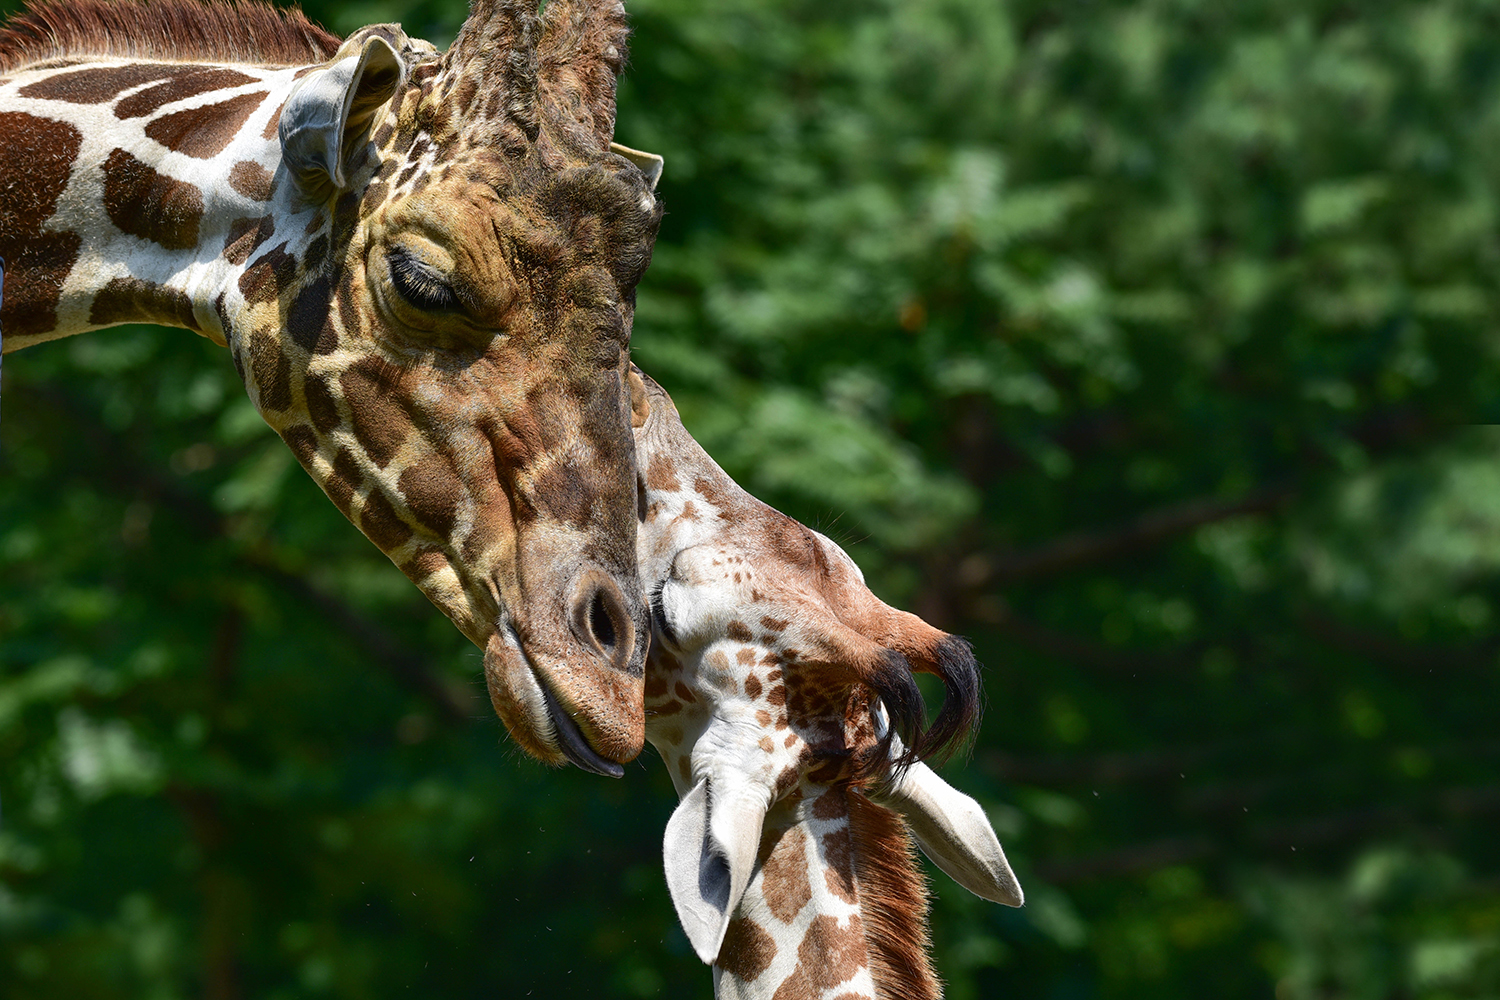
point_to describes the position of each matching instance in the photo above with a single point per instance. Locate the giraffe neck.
(836, 908)
(151, 185)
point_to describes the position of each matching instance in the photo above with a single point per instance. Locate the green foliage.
(1137, 342)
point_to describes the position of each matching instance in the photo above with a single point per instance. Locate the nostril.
(601, 625)
(600, 619)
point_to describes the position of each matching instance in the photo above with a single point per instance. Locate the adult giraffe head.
(424, 265)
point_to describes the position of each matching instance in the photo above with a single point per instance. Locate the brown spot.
(303, 442)
(518, 439)
(661, 475)
(773, 677)
(563, 496)
(689, 512)
(433, 492)
(321, 406)
(345, 217)
(681, 690)
(39, 262)
(150, 205)
(762, 717)
(178, 88)
(381, 524)
(464, 93)
(745, 655)
(274, 124)
(203, 132)
(784, 872)
(752, 686)
(830, 805)
(787, 780)
(670, 708)
(656, 684)
(371, 388)
(737, 631)
(791, 738)
(97, 84)
(838, 853)
(747, 950)
(777, 696)
(264, 280)
(131, 300)
(374, 195)
(308, 318)
(795, 987)
(246, 236)
(831, 954)
(271, 371)
(781, 723)
(316, 255)
(766, 745)
(774, 624)
(345, 479)
(251, 180)
(711, 491)
(423, 564)
(349, 315)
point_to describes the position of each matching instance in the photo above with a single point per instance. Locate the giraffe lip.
(571, 742)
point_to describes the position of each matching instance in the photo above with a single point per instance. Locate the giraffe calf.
(779, 691)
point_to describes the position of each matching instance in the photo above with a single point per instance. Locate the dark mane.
(892, 902)
(236, 31)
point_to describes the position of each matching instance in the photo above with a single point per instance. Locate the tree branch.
(1142, 532)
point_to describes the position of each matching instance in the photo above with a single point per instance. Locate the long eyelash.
(418, 285)
(659, 612)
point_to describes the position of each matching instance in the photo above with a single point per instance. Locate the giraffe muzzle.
(572, 744)
(568, 687)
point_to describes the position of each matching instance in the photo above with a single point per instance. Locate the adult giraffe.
(779, 692)
(424, 269)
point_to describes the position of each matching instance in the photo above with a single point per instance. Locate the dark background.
(1142, 343)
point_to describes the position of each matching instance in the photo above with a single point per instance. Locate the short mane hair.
(232, 31)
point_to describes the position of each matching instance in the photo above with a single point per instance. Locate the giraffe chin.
(532, 713)
(572, 744)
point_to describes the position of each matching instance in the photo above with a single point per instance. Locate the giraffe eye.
(419, 284)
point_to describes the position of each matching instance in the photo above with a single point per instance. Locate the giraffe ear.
(952, 830)
(328, 115)
(710, 854)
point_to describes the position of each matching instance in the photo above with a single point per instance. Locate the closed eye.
(419, 283)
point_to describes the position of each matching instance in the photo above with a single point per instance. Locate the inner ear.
(328, 116)
(649, 164)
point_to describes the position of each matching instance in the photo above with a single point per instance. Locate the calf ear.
(710, 851)
(328, 114)
(953, 831)
(649, 164)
